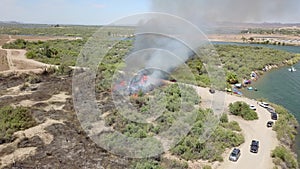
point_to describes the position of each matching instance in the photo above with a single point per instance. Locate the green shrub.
(281, 154)
(191, 147)
(224, 118)
(12, 120)
(242, 109)
(233, 125)
(285, 126)
(207, 167)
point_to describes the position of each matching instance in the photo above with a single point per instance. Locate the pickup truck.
(254, 146)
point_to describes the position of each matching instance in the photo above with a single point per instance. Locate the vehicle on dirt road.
(274, 116)
(252, 107)
(235, 154)
(270, 123)
(254, 146)
(263, 104)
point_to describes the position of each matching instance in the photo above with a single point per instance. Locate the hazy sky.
(99, 12)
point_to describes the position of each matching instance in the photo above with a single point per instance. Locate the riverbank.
(281, 87)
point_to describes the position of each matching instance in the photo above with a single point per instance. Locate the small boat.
(292, 69)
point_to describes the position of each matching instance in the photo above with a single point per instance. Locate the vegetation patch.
(242, 109)
(284, 158)
(238, 62)
(286, 126)
(12, 120)
(52, 52)
(281, 31)
(191, 147)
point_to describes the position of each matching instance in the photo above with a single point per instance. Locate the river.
(278, 86)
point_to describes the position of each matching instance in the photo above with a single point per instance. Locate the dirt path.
(18, 62)
(251, 130)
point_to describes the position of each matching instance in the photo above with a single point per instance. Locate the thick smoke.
(163, 42)
(210, 11)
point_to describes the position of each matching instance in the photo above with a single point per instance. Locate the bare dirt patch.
(20, 64)
(15, 53)
(3, 39)
(42, 38)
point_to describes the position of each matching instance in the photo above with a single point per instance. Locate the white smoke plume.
(163, 42)
(210, 11)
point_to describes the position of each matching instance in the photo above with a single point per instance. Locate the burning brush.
(144, 81)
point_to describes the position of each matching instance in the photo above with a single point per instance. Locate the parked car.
(270, 123)
(270, 109)
(252, 107)
(235, 154)
(274, 116)
(263, 104)
(254, 146)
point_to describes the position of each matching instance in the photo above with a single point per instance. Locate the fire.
(145, 81)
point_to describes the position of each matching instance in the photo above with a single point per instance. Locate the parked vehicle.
(235, 154)
(254, 146)
(263, 104)
(252, 107)
(270, 123)
(270, 109)
(274, 116)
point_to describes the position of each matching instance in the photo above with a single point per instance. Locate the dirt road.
(17, 61)
(251, 130)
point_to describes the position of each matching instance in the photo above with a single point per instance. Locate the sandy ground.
(251, 130)
(17, 61)
(59, 98)
(42, 38)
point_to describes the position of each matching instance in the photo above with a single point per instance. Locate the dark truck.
(254, 146)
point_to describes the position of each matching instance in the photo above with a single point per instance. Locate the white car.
(263, 104)
(252, 107)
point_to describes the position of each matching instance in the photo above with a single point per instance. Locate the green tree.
(231, 78)
(242, 109)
